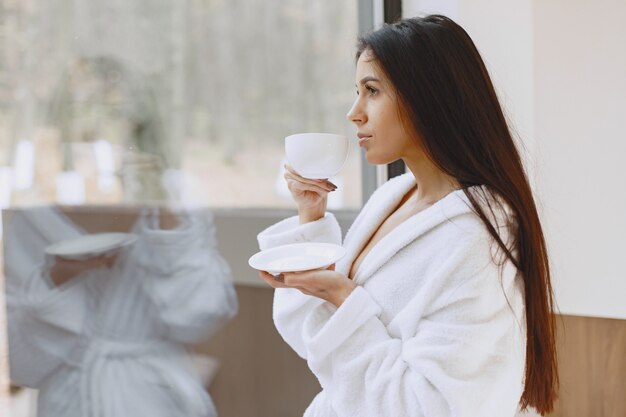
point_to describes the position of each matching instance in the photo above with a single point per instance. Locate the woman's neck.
(432, 183)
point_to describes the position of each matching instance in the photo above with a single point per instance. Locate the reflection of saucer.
(90, 245)
(297, 257)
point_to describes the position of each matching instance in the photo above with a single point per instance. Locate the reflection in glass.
(104, 331)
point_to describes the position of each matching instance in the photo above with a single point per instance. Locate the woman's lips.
(363, 140)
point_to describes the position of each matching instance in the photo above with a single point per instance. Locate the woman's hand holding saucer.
(326, 284)
(65, 270)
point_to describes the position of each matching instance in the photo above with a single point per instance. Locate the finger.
(321, 183)
(96, 261)
(99, 258)
(298, 177)
(110, 260)
(291, 172)
(290, 169)
(69, 261)
(271, 280)
(296, 186)
(296, 279)
(331, 268)
(316, 278)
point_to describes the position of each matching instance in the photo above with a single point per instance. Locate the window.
(118, 103)
(113, 102)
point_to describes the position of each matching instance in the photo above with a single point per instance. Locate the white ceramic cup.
(316, 155)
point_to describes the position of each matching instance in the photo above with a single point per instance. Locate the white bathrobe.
(428, 330)
(110, 343)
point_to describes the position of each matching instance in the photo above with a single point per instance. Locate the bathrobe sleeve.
(45, 323)
(45, 326)
(290, 305)
(186, 278)
(462, 359)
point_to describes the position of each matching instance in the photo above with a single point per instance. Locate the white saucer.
(297, 257)
(90, 245)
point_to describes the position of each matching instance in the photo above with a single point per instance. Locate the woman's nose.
(355, 114)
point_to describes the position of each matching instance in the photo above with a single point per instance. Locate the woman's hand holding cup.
(312, 159)
(311, 195)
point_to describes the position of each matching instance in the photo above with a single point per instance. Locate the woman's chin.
(374, 159)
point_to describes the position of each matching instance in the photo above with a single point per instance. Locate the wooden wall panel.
(259, 374)
(592, 367)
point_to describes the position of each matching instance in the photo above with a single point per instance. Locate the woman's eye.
(371, 90)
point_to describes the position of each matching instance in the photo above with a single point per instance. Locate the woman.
(442, 305)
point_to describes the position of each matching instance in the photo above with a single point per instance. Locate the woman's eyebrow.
(368, 78)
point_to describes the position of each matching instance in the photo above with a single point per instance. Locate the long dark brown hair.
(447, 94)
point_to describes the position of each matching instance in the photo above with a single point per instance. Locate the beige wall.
(580, 115)
(559, 69)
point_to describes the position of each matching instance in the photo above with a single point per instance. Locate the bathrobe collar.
(383, 202)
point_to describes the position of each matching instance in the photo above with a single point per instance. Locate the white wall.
(560, 70)
(502, 32)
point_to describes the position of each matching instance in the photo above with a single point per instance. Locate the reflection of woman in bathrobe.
(110, 341)
(426, 314)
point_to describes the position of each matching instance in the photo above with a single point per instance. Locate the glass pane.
(123, 123)
(131, 101)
